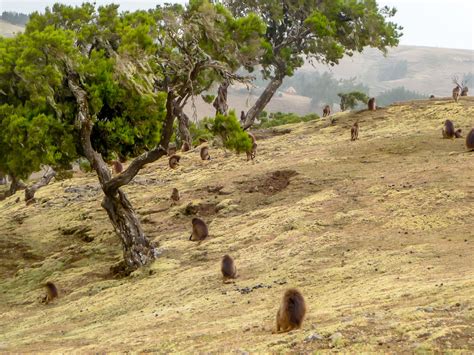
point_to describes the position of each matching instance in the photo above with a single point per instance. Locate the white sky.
(433, 23)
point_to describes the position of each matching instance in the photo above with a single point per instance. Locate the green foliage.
(208, 98)
(279, 118)
(200, 130)
(228, 128)
(352, 99)
(398, 94)
(37, 109)
(84, 165)
(392, 70)
(323, 30)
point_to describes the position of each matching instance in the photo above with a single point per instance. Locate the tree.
(349, 100)
(203, 44)
(320, 30)
(398, 94)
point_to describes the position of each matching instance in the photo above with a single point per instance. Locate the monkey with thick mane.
(51, 292)
(117, 166)
(292, 310)
(185, 147)
(448, 130)
(205, 153)
(371, 104)
(173, 161)
(326, 110)
(200, 231)
(228, 268)
(470, 140)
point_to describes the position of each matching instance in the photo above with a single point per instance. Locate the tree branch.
(125, 177)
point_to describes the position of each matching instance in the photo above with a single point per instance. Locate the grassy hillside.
(376, 233)
(8, 30)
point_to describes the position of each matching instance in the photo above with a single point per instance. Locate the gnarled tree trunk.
(220, 102)
(45, 180)
(137, 249)
(263, 100)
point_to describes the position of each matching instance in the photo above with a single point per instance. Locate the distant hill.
(8, 30)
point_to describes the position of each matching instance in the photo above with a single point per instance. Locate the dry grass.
(376, 233)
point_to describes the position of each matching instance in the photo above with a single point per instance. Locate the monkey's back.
(205, 153)
(200, 230)
(296, 307)
(449, 128)
(51, 290)
(228, 267)
(470, 140)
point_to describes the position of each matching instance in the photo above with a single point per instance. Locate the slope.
(376, 233)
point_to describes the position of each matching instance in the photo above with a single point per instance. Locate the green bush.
(228, 128)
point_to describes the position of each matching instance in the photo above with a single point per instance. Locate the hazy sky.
(433, 23)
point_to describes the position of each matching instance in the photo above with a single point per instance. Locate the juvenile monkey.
(448, 130)
(292, 311)
(464, 91)
(118, 167)
(458, 133)
(51, 292)
(174, 161)
(355, 131)
(371, 104)
(253, 152)
(456, 93)
(175, 194)
(200, 231)
(326, 110)
(229, 271)
(205, 153)
(470, 140)
(185, 147)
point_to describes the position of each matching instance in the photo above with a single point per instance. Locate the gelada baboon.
(229, 271)
(202, 140)
(118, 167)
(456, 93)
(51, 292)
(185, 147)
(448, 130)
(174, 161)
(458, 133)
(175, 194)
(200, 231)
(432, 96)
(371, 104)
(464, 91)
(326, 110)
(470, 140)
(253, 152)
(205, 153)
(355, 131)
(292, 311)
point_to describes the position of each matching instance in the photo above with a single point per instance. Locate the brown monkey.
(175, 194)
(185, 147)
(174, 161)
(326, 110)
(464, 91)
(448, 130)
(371, 104)
(205, 153)
(172, 149)
(456, 93)
(253, 152)
(432, 96)
(202, 140)
(51, 292)
(292, 311)
(200, 231)
(118, 167)
(229, 271)
(355, 131)
(470, 140)
(458, 133)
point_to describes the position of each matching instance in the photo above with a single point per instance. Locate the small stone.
(313, 337)
(335, 338)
